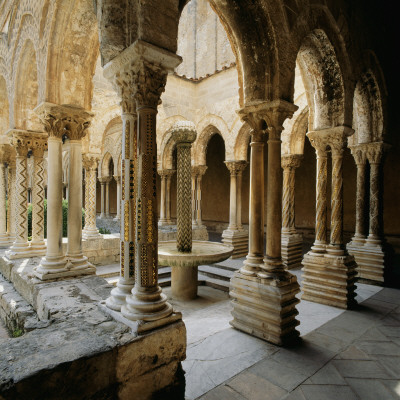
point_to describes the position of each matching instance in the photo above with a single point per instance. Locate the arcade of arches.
(296, 139)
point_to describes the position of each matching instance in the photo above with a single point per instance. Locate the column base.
(80, 265)
(146, 306)
(38, 249)
(266, 308)
(18, 250)
(51, 268)
(329, 280)
(5, 241)
(117, 219)
(239, 239)
(292, 250)
(252, 265)
(91, 234)
(184, 283)
(370, 261)
(119, 293)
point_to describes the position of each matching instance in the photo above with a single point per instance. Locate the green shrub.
(65, 218)
(104, 231)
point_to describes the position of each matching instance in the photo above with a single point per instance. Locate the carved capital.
(236, 167)
(291, 161)
(199, 170)
(374, 152)
(117, 178)
(139, 74)
(335, 137)
(359, 153)
(166, 172)
(89, 162)
(23, 141)
(183, 132)
(64, 119)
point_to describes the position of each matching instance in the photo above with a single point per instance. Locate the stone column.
(359, 154)
(108, 180)
(235, 235)
(371, 258)
(76, 128)
(256, 202)
(21, 143)
(73, 121)
(139, 73)
(103, 181)
(11, 201)
(163, 203)
(292, 242)
(201, 170)
(38, 246)
(168, 197)
(194, 194)
(184, 135)
(5, 151)
(264, 305)
(329, 272)
(90, 231)
(118, 180)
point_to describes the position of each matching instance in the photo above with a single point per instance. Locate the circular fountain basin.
(184, 266)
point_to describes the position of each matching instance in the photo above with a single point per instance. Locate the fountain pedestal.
(184, 266)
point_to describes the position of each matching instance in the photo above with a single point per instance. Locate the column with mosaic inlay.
(5, 241)
(38, 246)
(21, 142)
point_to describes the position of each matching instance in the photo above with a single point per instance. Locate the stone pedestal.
(184, 283)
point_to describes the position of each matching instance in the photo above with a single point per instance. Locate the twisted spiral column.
(336, 241)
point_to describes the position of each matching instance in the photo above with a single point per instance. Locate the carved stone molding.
(236, 167)
(59, 120)
(291, 161)
(89, 162)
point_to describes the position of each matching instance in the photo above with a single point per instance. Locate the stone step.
(164, 281)
(214, 283)
(225, 267)
(215, 272)
(106, 271)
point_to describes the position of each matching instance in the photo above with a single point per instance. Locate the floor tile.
(222, 392)
(360, 369)
(328, 392)
(327, 375)
(370, 389)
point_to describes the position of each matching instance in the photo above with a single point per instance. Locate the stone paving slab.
(355, 355)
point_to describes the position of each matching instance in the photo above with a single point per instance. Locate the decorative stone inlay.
(5, 155)
(184, 134)
(139, 75)
(90, 230)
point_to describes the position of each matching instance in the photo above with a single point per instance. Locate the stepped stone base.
(370, 261)
(329, 280)
(292, 250)
(266, 308)
(239, 239)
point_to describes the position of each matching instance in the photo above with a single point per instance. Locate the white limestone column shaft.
(254, 258)
(3, 214)
(194, 193)
(37, 242)
(74, 249)
(102, 197)
(199, 180)
(168, 197)
(118, 180)
(231, 165)
(163, 199)
(108, 196)
(239, 197)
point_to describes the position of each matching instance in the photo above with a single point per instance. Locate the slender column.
(254, 258)
(38, 245)
(3, 214)
(139, 74)
(162, 221)
(108, 196)
(231, 165)
(273, 260)
(168, 197)
(129, 165)
(360, 159)
(90, 231)
(73, 121)
(201, 169)
(20, 246)
(321, 214)
(374, 154)
(118, 180)
(194, 193)
(242, 166)
(102, 196)
(76, 130)
(184, 135)
(11, 201)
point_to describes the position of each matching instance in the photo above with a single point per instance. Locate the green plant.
(104, 231)
(17, 333)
